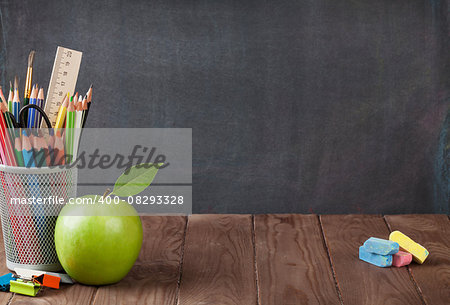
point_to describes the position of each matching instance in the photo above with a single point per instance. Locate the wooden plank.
(360, 282)
(154, 278)
(4, 296)
(67, 294)
(292, 261)
(218, 262)
(433, 232)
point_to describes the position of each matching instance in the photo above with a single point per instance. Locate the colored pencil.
(3, 153)
(27, 150)
(70, 125)
(50, 149)
(40, 103)
(47, 150)
(78, 126)
(2, 96)
(31, 122)
(10, 97)
(16, 99)
(84, 106)
(4, 108)
(39, 150)
(18, 151)
(8, 120)
(8, 157)
(61, 118)
(88, 100)
(58, 150)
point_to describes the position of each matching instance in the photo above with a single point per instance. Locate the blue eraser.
(381, 246)
(375, 259)
(4, 281)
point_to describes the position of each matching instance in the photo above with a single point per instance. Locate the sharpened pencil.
(32, 112)
(39, 151)
(58, 150)
(18, 151)
(62, 113)
(8, 156)
(70, 125)
(27, 150)
(16, 99)
(40, 103)
(2, 97)
(8, 121)
(10, 98)
(88, 100)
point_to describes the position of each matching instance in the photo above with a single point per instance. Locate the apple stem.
(108, 190)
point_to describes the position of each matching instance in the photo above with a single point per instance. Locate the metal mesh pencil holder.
(28, 222)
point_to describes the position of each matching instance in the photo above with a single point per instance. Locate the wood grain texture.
(218, 263)
(359, 282)
(292, 261)
(154, 278)
(67, 294)
(433, 232)
(4, 296)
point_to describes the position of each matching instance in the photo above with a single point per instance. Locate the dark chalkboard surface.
(295, 106)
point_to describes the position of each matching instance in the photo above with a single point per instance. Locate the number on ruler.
(63, 79)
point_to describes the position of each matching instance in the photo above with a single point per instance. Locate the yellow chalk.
(418, 252)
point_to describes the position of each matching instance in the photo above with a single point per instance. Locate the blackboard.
(310, 106)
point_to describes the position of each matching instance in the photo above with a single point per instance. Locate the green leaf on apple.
(135, 179)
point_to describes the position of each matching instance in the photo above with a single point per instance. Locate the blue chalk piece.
(375, 259)
(4, 281)
(381, 246)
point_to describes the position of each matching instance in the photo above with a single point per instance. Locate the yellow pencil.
(62, 113)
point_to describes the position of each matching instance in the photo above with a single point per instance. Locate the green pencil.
(70, 125)
(10, 98)
(8, 121)
(18, 152)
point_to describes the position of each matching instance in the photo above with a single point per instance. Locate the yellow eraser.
(419, 253)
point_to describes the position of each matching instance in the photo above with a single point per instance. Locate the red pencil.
(7, 149)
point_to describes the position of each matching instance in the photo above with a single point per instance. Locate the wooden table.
(270, 259)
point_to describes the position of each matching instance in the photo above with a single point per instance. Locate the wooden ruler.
(63, 81)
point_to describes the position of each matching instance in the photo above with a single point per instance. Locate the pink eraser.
(401, 259)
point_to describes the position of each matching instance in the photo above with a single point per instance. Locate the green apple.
(95, 244)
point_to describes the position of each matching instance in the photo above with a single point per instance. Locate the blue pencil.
(32, 112)
(27, 150)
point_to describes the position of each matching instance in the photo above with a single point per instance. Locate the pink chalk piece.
(401, 258)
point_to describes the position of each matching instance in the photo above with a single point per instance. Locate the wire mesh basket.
(30, 201)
